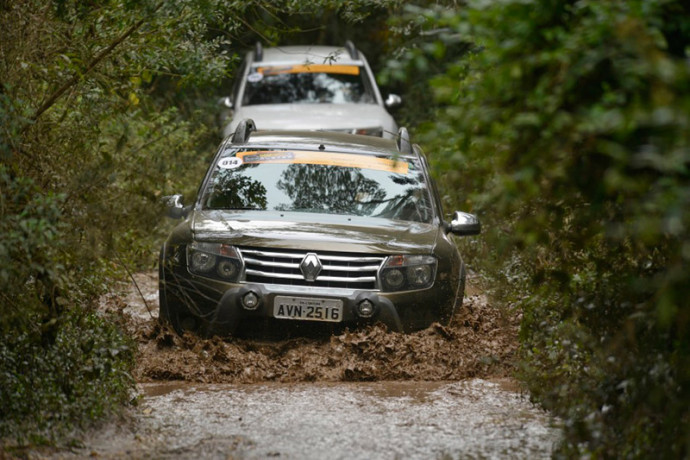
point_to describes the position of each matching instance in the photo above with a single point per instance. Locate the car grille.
(339, 270)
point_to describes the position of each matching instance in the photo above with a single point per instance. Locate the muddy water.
(380, 420)
(442, 393)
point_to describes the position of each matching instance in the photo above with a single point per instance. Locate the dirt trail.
(441, 393)
(479, 343)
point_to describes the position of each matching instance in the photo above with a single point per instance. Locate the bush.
(566, 128)
(54, 383)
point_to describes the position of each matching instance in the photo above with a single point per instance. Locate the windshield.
(308, 84)
(319, 182)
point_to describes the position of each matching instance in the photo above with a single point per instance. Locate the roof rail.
(243, 131)
(403, 141)
(350, 47)
(258, 52)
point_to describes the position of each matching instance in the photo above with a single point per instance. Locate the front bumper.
(219, 309)
(215, 307)
(230, 311)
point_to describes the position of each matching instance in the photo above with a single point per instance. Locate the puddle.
(374, 420)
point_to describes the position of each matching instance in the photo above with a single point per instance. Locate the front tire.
(168, 312)
(446, 316)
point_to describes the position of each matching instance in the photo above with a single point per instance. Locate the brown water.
(441, 393)
(365, 420)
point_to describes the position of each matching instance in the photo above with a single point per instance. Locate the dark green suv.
(307, 229)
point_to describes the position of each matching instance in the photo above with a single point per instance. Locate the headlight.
(214, 260)
(404, 273)
(419, 275)
(201, 262)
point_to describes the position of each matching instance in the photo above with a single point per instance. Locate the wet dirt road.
(442, 393)
(381, 420)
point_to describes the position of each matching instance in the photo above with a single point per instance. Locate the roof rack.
(258, 52)
(403, 141)
(243, 131)
(350, 47)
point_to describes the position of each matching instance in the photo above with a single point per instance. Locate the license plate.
(308, 308)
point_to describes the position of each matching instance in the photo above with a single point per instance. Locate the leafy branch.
(91, 65)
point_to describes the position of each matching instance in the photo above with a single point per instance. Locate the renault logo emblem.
(310, 267)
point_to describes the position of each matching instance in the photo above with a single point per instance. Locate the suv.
(310, 229)
(310, 87)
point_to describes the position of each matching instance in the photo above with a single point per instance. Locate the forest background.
(565, 125)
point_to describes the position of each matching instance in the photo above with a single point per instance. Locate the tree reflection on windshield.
(232, 191)
(330, 188)
(320, 188)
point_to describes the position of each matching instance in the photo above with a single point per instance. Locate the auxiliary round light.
(394, 278)
(365, 309)
(250, 301)
(226, 269)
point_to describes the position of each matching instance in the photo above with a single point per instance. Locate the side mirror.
(224, 114)
(226, 102)
(392, 101)
(464, 224)
(175, 208)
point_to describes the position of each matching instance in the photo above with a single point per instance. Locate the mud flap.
(228, 315)
(388, 315)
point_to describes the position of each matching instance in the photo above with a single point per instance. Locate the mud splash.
(442, 393)
(479, 343)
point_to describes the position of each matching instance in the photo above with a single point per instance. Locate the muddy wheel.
(173, 309)
(447, 314)
(168, 313)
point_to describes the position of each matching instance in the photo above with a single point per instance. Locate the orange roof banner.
(324, 158)
(310, 68)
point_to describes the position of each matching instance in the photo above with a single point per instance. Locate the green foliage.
(77, 378)
(105, 107)
(94, 133)
(30, 265)
(422, 49)
(566, 127)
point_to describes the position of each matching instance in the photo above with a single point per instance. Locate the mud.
(442, 393)
(480, 342)
(469, 419)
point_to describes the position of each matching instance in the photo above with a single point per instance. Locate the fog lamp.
(365, 309)
(250, 301)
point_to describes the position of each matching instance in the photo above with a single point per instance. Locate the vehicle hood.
(314, 117)
(302, 232)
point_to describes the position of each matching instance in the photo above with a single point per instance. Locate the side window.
(368, 80)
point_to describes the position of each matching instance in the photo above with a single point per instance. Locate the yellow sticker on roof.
(310, 68)
(346, 160)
